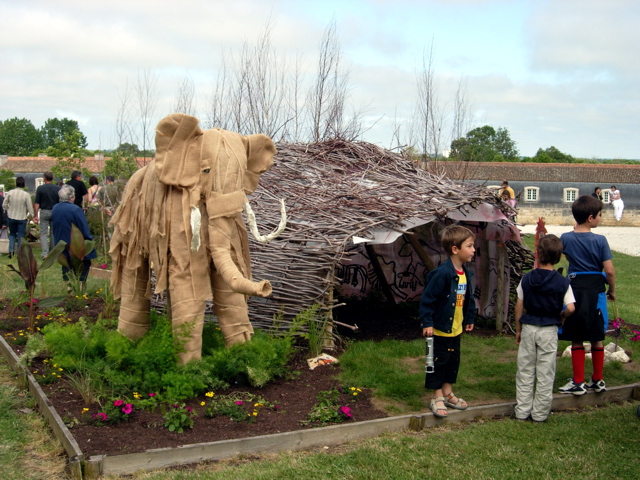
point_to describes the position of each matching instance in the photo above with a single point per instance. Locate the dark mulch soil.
(293, 396)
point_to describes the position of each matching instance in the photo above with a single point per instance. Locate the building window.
(531, 194)
(39, 181)
(570, 194)
(605, 196)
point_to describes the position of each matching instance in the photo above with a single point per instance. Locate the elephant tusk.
(253, 226)
(195, 221)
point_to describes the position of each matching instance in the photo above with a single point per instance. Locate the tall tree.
(485, 144)
(55, 129)
(19, 138)
(70, 155)
(184, 101)
(147, 99)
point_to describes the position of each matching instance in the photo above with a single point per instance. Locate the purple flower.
(117, 403)
(127, 409)
(346, 411)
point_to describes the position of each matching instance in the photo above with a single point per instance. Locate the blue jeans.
(16, 229)
(46, 232)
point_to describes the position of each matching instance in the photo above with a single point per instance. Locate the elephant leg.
(186, 306)
(134, 320)
(231, 310)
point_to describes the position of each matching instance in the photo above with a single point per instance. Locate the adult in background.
(65, 214)
(17, 204)
(616, 200)
(80, 189)
(505, 186)
(597, 193)
(94, 188)
(46, 198)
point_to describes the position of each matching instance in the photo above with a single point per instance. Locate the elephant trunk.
(221, 252)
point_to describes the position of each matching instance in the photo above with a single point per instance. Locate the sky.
(562, 73)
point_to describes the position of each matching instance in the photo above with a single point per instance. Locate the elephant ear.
(260, 153)
(178, 154)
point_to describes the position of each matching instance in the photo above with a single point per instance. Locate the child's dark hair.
(584, 207)
(454, 236)
(549, 250)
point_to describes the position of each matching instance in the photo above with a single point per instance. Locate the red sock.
(577, 360)
(597, 357)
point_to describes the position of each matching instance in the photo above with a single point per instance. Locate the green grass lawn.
(596, 443)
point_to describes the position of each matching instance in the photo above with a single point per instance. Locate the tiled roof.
(548, 172)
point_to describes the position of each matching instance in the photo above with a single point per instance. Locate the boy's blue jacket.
(438, 302)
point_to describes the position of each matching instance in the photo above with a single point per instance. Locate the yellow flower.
(60, 369)
(209, 394)
(258, 405)
(202, 404)
(85, 410)
(136, 395)
(255, 414)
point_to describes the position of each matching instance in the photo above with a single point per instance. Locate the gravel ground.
(621, 239)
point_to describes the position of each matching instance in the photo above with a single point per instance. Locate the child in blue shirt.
(589, 255)
(447, 308)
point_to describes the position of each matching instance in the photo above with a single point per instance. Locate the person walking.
(17, 204)
(616, 200)
(46, 198)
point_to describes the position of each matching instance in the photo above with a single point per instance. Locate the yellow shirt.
(456, 329)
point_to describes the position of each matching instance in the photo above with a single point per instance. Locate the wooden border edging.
(98, 465)
(60, 430)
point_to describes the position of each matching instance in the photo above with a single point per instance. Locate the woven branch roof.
(333, 191)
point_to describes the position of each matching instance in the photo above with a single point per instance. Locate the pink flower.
(189, 409)
(117, 403)
(616, 323)
(152, 394)
(636, 338)
(127, 409)
(239, 402)
(103, 266)
(346, 411)
(102, 416)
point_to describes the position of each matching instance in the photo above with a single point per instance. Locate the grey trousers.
(46, 232)
(536, 361)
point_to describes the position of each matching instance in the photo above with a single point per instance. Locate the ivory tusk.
(253, 226)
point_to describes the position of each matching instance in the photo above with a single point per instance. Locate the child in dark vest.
(545, 299)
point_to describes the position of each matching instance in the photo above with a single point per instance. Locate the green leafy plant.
(78, 249)
(28, 269)
(238, 406)
(178, 417)
(331, 407)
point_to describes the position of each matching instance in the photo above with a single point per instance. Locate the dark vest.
(543, 300)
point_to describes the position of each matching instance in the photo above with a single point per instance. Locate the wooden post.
(426, 259)
(500, 313)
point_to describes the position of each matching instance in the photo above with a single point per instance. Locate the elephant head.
(219, 168)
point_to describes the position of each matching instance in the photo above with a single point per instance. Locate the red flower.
(346, 411)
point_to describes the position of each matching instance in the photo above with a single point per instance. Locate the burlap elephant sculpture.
(196, 175)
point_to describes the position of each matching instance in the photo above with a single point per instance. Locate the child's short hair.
(549, 250)
(454, 236)
(585, 206)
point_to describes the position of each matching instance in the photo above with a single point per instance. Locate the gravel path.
(621, 239)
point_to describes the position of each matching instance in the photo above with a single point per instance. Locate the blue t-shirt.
(586, 251)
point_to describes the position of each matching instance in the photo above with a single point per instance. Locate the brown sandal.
(435, 408)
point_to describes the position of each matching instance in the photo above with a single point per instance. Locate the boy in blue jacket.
(446, 308)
